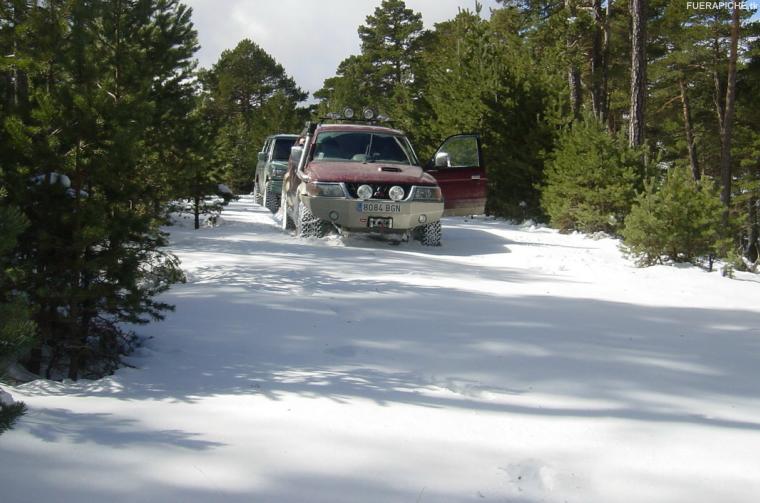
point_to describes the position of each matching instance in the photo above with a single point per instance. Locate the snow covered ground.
(512, 364)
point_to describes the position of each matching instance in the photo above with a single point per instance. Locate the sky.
(308, 37)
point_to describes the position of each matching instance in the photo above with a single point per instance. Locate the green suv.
(271, 167)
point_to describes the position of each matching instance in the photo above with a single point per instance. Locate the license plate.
(380, 223)
(379, 207)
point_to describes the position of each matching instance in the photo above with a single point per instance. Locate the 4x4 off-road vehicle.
(271, 167)
(363, 177)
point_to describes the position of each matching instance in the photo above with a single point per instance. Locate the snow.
(55, 178)
(187, 220)
(514, 363)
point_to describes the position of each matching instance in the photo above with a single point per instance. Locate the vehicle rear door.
(458, 168)
(262, 159)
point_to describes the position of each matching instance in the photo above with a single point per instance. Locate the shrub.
(591, 179)
(680, 221)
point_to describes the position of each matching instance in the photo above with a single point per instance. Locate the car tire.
(271, 199)
(429, 234)
(257, 196)
(308, 225)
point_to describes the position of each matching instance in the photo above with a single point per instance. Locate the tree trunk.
(598, 71)
(606, 66)
(197, 211)
(728, 117)
(752, 249)
(573, 72)
(638, 72)
(693, 162)
(718, 92)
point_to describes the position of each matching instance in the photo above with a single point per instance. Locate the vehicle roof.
(283, 135)
(364, 128)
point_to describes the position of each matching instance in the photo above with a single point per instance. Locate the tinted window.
(282, 149)
(362, 147)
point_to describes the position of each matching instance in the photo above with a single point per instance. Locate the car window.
(462, 150)
(281, 150)
(362, 147)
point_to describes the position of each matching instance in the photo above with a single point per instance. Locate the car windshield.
(363, 147)
(282, 148)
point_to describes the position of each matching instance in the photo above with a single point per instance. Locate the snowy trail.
(512, 364)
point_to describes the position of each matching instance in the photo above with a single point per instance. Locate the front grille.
(379, 191)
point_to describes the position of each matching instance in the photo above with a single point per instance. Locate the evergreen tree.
(248, 96)
(591, 179)
(350, 87)
(678, 221)
(16, 327)
(388, 76)
(391, 41)
(84, 163)
(747, 150)
(476, 82)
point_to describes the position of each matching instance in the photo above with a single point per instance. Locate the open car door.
(458, 168)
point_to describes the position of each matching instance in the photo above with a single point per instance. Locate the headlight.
(396, 193)
(316, 189)
(427, 194)
(364, 192)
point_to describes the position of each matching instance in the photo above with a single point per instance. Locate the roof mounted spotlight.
(348, 113)
(333, 115)
(383, 118)
(368, 114)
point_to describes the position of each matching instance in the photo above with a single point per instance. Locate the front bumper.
(351, 217)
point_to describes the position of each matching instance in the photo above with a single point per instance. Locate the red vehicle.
(366, 178)
(458, 168)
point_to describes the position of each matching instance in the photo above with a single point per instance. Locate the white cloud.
(309, 38)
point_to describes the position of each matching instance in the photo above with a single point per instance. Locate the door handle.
(475, 177)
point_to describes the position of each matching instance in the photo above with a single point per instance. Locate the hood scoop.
(389, 169)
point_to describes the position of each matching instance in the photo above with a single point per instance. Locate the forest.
(634, 118)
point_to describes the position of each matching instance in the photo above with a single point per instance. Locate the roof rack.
(368, 116)
(343, 120)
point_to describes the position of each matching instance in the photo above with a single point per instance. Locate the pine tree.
(678, 221)
(84, 163)
(239, 88)
(591, 179)
(388, 76)
(350, 87)
(391, 41)
(747, 150)
(16, 327)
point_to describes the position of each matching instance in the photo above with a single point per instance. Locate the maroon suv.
(367, 178)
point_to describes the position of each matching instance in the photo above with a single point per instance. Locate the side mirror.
(442, 160)
(262, 156)
(296, 152)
